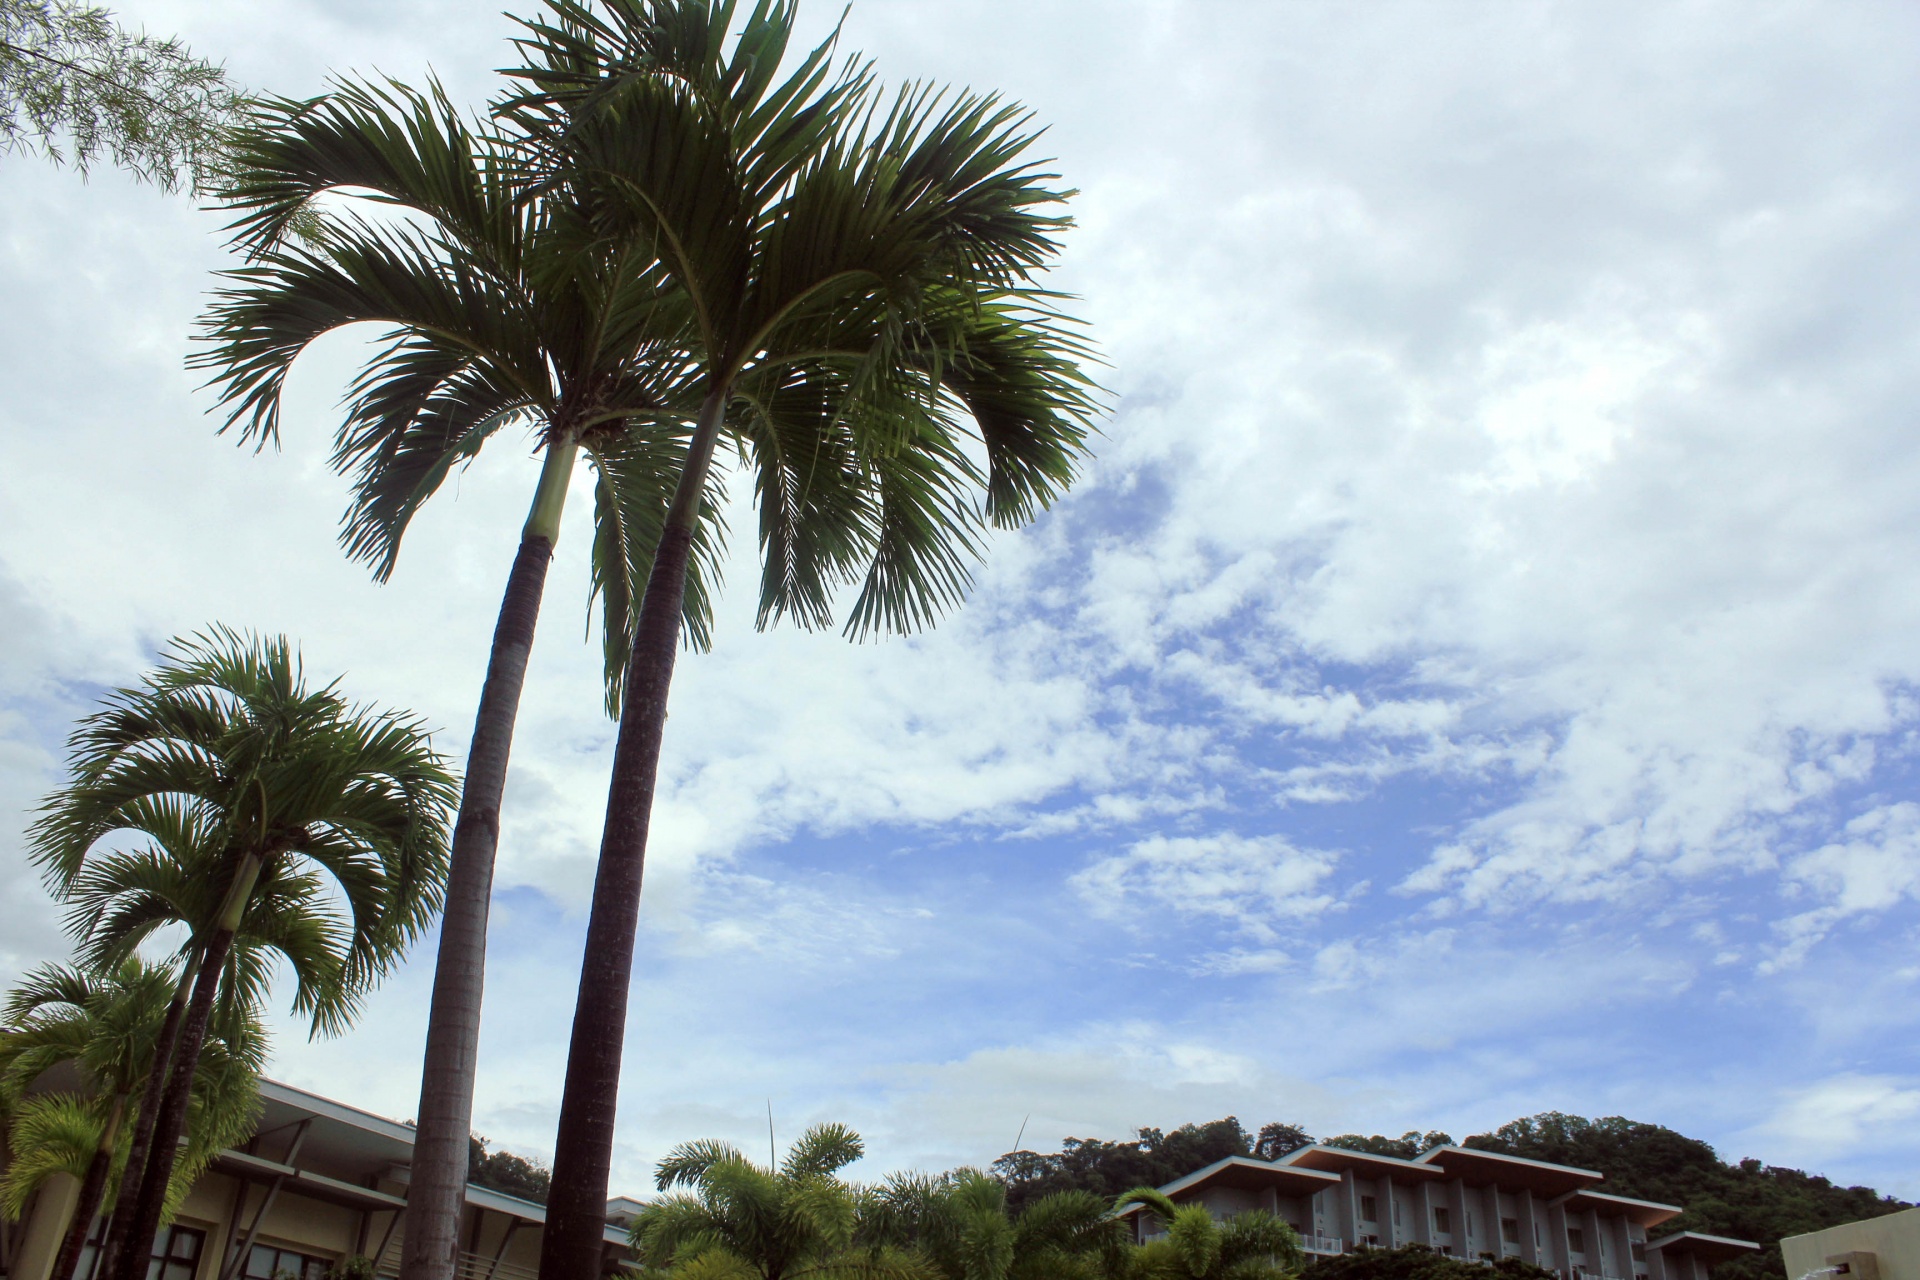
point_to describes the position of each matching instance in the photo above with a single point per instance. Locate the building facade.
(319, 1182)
(1456, 1200)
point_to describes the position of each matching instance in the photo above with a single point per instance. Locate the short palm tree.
(262, 791)
(1255, 1245)
(856, 278)
(961, 1223)
(105, 1027)
(730, 1219)
(498, 307)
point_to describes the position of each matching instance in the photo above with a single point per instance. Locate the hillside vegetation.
(1748, 1200)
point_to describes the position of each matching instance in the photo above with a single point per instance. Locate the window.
(1510, 1230)
(1639, 1251)
(269, 1263)
(1369, 1209)
(1443, 1222)
(1576, 1240)
(176, 1253)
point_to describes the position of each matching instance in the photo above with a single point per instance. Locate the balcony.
(1321, 1244)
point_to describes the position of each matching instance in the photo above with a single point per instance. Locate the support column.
(1462, 1232)
(1596, 1245)
(1533, 1231)
(1557, 1236)
(46, 1227)
(1423, 1212)
(1495, 1240)
(1348, 1205)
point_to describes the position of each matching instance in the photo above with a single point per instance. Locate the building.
(1459, 1201)
(319, 1182)
(1886, 1248)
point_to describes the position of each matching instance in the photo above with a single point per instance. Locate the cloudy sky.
(1479, 673)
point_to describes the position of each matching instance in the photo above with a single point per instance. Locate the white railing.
(1322, 1244)
(466, 1266)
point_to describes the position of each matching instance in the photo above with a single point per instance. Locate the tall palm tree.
(730, 1219)
(960, 1221)
(105, 1027)
(860, 304)
(1255, 1245)
(279, 791)
(498, 307)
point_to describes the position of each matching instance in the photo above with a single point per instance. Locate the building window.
(1639, 1251)
(269, 1263)
(176, 1254)
(1443, 1222)
(1369, 1209)
(1576, 1240)
(1510, 1230)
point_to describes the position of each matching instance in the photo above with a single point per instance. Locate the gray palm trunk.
(120, 1226)
(92, 1190)
(573, 1238)
(436, 1192)
(172, 1122)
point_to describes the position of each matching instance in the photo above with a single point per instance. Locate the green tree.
(74, 87)
(1152, 1158)
(499, 305)
(104, 1028)
(857, 282)
(1255, 1245)
(249, 784)
(727, 1218)
(961, 1222)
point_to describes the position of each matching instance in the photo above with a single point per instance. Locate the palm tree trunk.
(143, 1121)
(437, 1190)
(172, 1122)
(92, 1190)
(571, 1244)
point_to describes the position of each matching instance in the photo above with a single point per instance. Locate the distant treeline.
(1748, 1200)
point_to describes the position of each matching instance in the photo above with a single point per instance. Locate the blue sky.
(1476, 675)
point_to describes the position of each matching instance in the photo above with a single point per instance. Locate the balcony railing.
(466, 1266)
(1322, 1244)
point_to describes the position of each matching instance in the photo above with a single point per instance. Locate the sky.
(1477, 673)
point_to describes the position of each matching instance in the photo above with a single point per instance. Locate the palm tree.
(1255, 1245)
(498, 307)
(106, 1026)
(277, 792)
(856, 277)
(961, 1223)
(736, 1220)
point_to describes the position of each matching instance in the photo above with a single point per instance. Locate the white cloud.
(1254, 882)
(1875, 868)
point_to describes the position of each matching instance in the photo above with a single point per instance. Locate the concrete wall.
(1894, 1240)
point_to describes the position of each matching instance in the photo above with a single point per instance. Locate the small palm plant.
(254, 805)
(105, 1028)
(960, 1222)
(1255, 1245)
(730, 1219)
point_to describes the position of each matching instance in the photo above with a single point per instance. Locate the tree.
(1153, 1158)
(1405, 1147)
(856, 277)
(735, 1220)
(105, 1028)
(74, 87)
(962, 1224)
(505, 1171)
(1255, 1245)
(499, 305)
(273, 792)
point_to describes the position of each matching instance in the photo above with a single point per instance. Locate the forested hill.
(1748, 1200)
